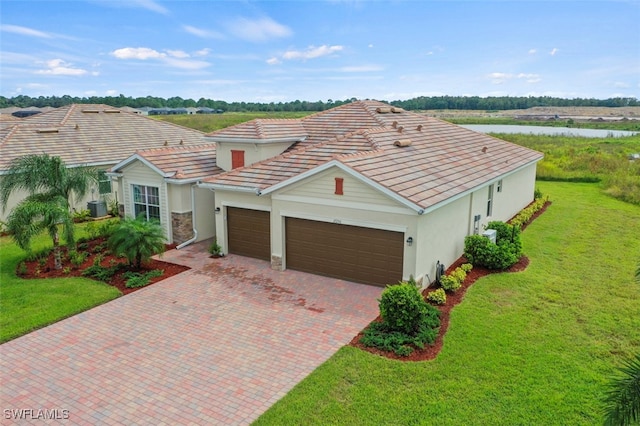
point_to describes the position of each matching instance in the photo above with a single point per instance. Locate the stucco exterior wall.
(205, 213)
(137, 173)
(77, 204)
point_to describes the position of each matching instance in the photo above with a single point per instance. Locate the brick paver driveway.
(218, 344)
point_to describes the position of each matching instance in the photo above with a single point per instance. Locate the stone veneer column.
(182, 225)
(276, 263)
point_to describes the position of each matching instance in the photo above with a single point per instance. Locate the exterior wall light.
(409, 241)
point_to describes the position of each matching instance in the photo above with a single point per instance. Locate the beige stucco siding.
(205, 215)
(441, 236)
(517, 193)
(356, 194)
(137, 173)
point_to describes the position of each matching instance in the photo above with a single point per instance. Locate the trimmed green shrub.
(459, 274)
(467, 267)
(408, 321)
(450, 283)
(438, 297)
(402, 307)
(502, 255)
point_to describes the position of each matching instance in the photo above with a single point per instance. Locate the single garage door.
(352, 253)
(249, 233)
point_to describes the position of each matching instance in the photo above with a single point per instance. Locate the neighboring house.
(364, 192)
(88, 135)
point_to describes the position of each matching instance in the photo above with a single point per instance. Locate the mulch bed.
(46, 269)
(453, 299)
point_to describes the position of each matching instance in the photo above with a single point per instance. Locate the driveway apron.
(218, 344)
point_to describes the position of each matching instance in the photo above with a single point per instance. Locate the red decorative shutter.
(339, 186)
(237, 159)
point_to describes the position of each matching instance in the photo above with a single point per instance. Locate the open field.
(535, 347)
(212, 122)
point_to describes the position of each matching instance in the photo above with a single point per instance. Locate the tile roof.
(90, 134)
(262, 129)
(184, 162)
(443, 159)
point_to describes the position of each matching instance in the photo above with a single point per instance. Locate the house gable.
(336, 187)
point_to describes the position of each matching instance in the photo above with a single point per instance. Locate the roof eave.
(260, 141)
(233, 188)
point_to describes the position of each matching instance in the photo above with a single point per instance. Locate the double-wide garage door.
(352, 253)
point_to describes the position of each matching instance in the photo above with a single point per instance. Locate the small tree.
(623, 397)
(137, 240)
(37, 213)
(47, 180)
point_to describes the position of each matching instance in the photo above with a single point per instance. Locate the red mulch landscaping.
(34, 268)
(453, 299)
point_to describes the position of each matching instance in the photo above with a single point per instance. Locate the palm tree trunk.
(57, 257)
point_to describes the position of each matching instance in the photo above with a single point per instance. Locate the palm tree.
(36, 213)
(137, 240)
(42, 174)
(623, 398)
(50, 185)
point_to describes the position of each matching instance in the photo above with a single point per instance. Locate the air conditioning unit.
(490, 234)
(97, 208)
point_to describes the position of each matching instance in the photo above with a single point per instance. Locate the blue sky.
(272, 51)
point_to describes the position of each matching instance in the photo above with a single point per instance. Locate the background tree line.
(491, 103)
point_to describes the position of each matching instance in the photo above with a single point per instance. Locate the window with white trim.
(146, 200)
(104, 183)
(499, 186)
(490, 201)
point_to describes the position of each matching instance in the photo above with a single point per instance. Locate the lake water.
(544, 130)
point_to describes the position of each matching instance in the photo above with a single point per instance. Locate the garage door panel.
(352, 253)
(249, 232)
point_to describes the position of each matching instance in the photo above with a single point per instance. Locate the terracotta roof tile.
(90, 134)
(442, 161)
(184, 162)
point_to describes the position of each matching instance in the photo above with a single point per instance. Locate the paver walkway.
(218, 344)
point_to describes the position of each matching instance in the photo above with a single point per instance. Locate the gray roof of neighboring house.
(84, 134)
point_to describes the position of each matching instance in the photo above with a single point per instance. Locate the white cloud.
(142, 53)
(60, 67)
(258, 30)
(553, 51)
(178, 53)
(273, 61)
(150, 5)
(202, 52)
(174, 58)
(501, 77)
(312, 52)
(199, 32)
(533, 51)
(17, 29)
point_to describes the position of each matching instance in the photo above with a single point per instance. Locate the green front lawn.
(26, 305)
(535, 347)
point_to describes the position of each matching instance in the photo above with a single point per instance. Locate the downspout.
(193, 218)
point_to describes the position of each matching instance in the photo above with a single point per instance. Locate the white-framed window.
(146, 200)
(499, 186)
(490, 201)
(104, 183)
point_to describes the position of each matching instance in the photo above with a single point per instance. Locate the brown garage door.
(249, 233)
(352, 253)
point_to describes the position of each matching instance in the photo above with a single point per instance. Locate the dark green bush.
(408, 321)
(100, 272)
(479, 251)
(402, 307)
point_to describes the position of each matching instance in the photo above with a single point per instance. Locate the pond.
(545, 130)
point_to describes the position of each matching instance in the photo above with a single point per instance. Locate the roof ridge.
(67, 116)
(177, 147)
